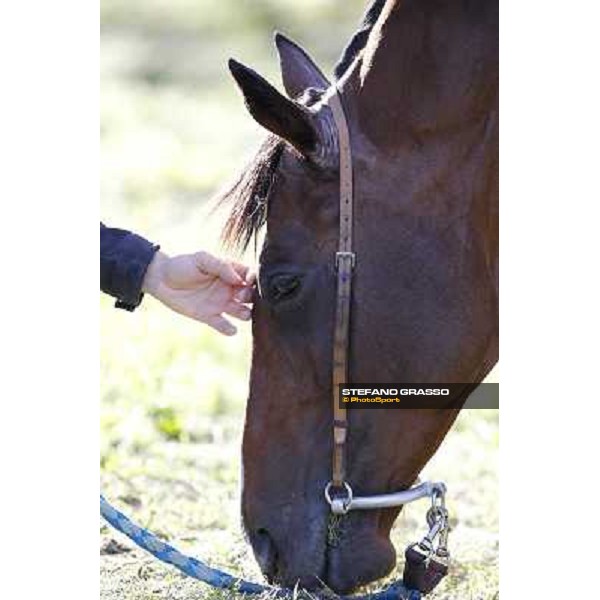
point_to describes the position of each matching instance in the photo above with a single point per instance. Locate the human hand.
(202, 287)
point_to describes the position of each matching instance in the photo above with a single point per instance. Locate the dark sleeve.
(124, 259)
(359, 39)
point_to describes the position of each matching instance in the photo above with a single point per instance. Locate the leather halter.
(345, 262)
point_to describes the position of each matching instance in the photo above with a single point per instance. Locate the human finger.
(239, 311)
(213, 265)
(221, 324)
(245, 272)
(245, 294)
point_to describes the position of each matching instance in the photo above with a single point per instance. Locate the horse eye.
(283, 287)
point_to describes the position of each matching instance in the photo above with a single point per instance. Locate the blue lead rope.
(198, 570)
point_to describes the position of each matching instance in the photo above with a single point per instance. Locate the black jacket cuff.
(124, 260)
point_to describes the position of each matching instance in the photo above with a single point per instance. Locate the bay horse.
(419, 85)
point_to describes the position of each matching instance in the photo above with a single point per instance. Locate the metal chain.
(439, 527)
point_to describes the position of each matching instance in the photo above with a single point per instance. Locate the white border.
(549, 298)
(49, 446)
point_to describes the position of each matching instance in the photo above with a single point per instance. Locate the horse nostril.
(265, 552)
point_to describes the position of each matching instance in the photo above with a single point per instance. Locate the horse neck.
(428, 67)
(423, 115)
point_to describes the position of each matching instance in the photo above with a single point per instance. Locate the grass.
(174, 130)
(187, 492)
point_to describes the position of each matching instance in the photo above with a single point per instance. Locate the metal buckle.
(341, 255)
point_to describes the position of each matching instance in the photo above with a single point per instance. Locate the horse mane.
(249, 194)
(360, 39)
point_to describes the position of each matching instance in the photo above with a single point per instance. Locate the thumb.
(212, 265)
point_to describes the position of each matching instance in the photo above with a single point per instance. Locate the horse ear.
(275, 112)
(298, 71)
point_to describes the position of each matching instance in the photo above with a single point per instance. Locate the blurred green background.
(174, 131)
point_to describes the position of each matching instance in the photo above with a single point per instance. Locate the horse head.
(421, 103)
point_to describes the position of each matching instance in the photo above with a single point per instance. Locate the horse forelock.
(248, 195)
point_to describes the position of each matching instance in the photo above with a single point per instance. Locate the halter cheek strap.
(345, 260)
(425, 564)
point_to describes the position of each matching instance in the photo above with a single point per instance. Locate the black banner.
(419, 395)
